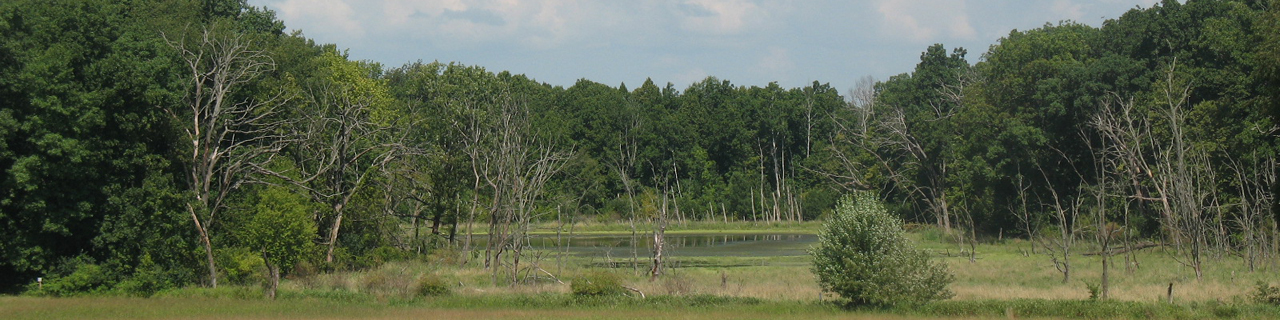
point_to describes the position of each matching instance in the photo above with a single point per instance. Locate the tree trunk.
(1105, 286)
(208, 247)
(273, 276)
(333, 232)
(658, 242)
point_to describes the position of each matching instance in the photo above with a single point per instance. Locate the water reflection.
(688, 245)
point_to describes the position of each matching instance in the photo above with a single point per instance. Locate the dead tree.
(1254, 181)
(1166, 171)
(659, 235)
(622, 165)
(341, 145)
(1187, 177)
(231, 133)
(1066, 213)
(514, 162)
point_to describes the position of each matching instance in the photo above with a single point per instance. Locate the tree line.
(161, 143)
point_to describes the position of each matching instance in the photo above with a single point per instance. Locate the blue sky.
(748, 42)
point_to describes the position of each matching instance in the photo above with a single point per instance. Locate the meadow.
(1007, 278)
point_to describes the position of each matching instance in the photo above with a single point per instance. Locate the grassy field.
(1007, 279)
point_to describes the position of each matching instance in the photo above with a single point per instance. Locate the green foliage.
(430, 285)
(597, 284)
(150, 278)
(240, 265)
(863, 255)
(77, 277)
(1265, 293)
(1088, 309)
(281, 227)
(1095, 290)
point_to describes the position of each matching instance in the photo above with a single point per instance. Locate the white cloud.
(1067, 10)
(746, 41)
(321, 16)
(925, 20)
(536, 24)
(720, 16)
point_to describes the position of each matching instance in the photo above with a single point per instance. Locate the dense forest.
(152, 144)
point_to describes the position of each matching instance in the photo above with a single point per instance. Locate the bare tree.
(1105, 232)
(659, 220)
(230, 133)
(622, 165)
(514, 162)
(1066, 213)
(1165, 170)
(1186, 177)
(1254, 181)
(341, 145)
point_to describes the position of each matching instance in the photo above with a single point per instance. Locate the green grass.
(543, 306)
(687, 227)
(1006, 280)
(561, 306)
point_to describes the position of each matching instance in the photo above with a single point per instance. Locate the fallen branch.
(1120, 250)
(636, 290)
(553, 277)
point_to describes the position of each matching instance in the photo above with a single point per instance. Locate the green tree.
(863, 255)
(85, 156)
(281, 229)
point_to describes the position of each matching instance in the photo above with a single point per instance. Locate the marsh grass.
(692, 227)
(1005, 280)
(1005, 269)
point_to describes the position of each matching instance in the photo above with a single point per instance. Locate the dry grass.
(21, 308)
(1001, 272)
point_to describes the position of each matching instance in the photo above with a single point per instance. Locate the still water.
(684, 245)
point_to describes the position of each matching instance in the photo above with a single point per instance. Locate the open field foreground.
(1005, 280)
(568, 307)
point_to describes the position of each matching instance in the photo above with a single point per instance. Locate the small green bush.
(432, 285)
(864, 256)
(598, 284)
(1095, 290)
(79, 277)
(150, 278)
(240, 265)
(1266, 294)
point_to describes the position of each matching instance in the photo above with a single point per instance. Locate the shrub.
(597, 284)
(1266, 294)
(432, 285)
(864, 256)
(239, 265)
(150, 278)
(79, 276)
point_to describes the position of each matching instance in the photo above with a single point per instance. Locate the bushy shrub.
(432, 285)
(598, 283)
(240, 265)
(150, 278)
(1266, 294)
(864, 256)
(77, 276)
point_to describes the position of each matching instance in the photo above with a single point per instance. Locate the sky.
(748, 42)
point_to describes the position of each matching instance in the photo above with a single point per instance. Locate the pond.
(679, 245)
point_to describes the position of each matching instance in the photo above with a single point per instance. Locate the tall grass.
(1006, 279)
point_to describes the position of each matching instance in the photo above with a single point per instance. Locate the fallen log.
(1120, 250)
